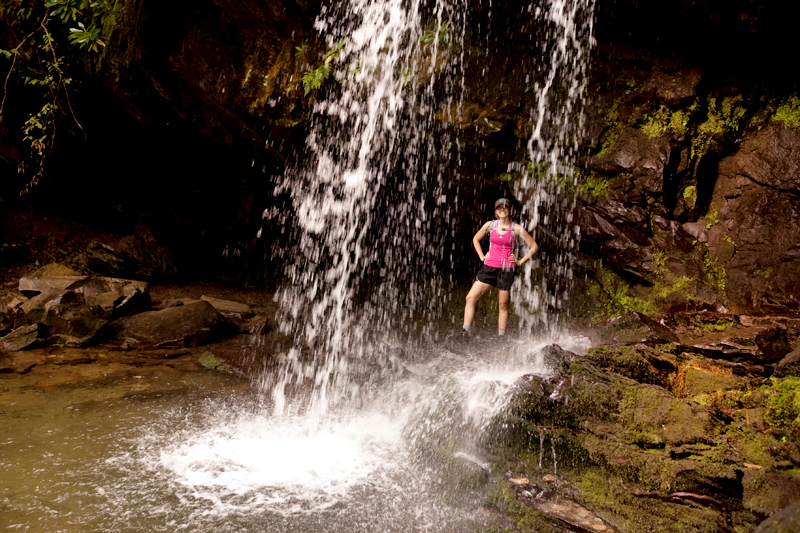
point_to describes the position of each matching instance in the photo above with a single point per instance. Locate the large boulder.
(186, 325)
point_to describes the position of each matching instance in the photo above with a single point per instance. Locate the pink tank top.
(500, 247)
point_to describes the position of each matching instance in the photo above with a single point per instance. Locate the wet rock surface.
(652, 438)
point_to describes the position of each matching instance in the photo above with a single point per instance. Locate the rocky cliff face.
(698, 195)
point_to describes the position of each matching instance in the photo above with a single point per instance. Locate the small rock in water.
(209, 361)
(519, 480)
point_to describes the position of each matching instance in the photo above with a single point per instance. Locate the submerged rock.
(227, 306)
(209, 360)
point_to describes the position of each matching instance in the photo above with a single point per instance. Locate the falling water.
(373, 205)
(369, 199)
(557, 124)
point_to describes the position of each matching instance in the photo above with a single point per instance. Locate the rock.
(774, 343)
(106, 260)
(635, 328)
(34, 308)
(561, 508)
(785, 521)
(23, 338)
(6, 323)
(697, 381)
(209, 361)
(632, 150)
(674, 89)
(465, 472)
(187, 325)
(760, 219)
(52, 276)
(117, 297)
(767, 493)
(71, 321)
(654, 417)
(258, 325)
(554, 356)
(169, 302)
(228, 306)
(789, 365)
(635, 362)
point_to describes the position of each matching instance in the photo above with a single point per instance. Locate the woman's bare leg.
(478, 289)
(502, 320)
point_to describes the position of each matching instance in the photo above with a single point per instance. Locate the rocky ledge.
(654, 432)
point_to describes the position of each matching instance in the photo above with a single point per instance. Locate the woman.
(499, 264)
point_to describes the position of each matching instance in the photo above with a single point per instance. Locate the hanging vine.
(60, 41)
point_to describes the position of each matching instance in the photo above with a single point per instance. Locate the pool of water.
(164, 450)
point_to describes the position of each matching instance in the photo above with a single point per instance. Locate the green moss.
(612, 294)
(690, 193)
(783, 409)
(594, 185)
(208, 360)
(722, 118)
(644, 515)
(663, 121)
(715, 272)
(712, 217)
(700, 382)
(751, 445)
(788, 112)
(765, 273)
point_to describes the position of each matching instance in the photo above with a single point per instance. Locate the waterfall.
(373, 206)
(556, 117)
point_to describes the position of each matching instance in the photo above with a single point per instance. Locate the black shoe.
(461, 337)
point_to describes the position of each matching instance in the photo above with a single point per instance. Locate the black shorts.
(502, 278)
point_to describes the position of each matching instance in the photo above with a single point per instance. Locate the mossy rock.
(789, 365)
(752, 446)
(654, 417)
(525, 519)
(210, 361)
(634, 363)
(699, 381)
(613, 500)
(766, 493)
(783, 409)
